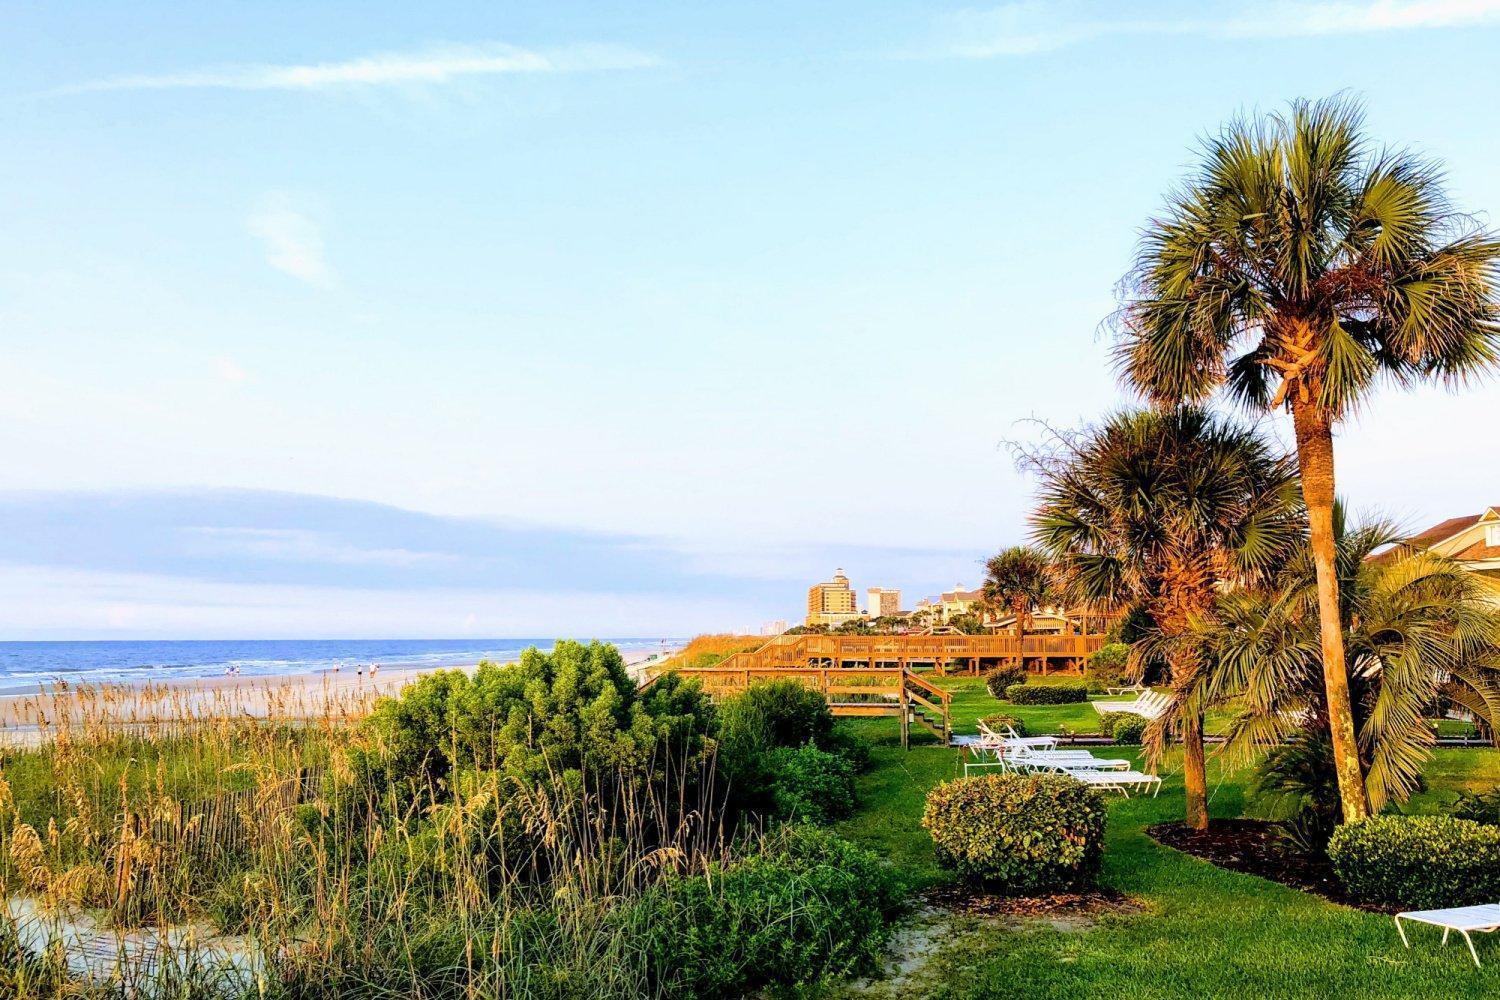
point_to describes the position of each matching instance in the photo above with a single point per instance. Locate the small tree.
(1020, 579)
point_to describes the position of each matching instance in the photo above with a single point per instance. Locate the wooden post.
(905, 712)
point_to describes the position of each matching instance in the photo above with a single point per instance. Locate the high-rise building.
(883, 602)
(776, 626)
(832, 602)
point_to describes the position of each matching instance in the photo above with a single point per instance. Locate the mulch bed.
(1254, 847)
(969, 902)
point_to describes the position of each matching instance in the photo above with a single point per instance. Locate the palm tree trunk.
(1194, 772)
(1315, 462)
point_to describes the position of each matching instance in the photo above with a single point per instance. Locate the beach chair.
(1008, 736)
(1117, 781)
(1149, 705)
(1073, 759)
(1465, 919)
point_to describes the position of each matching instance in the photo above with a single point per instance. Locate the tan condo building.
(832, 603)
(883, 603)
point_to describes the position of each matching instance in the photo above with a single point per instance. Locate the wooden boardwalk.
(1064, 653)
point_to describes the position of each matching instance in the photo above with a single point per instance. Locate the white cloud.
(293, 241)
(432, 66)
(229, 370)
(1030, 26)
(302, 545)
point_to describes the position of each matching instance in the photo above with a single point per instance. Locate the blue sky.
(620, 319)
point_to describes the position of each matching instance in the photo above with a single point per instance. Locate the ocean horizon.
(26, 665)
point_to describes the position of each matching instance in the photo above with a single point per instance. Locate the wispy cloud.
(1031, 26)
(431, 66)
(293, 241)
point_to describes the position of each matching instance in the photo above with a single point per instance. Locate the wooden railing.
(790, 651)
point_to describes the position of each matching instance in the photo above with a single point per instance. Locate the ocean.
(25, 666)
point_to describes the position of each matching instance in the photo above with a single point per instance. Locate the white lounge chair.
(1149, 705)
(1026, 759)
(1009, 737)
(1464, 919)
(1117, 781)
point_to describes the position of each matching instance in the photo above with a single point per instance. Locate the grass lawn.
(1203, 931)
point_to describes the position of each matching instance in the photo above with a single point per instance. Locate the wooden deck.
(1044, 653)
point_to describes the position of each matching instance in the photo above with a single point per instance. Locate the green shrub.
(1481, 807)
(1131, 729)
(772, 714)
(806, 907)
(541, 719)
(1418, 862)
(1122, 727)
(1047, 694)
(998, 722)
(811, 785)
(1004, 676)
(1106, 668)
(852, 746)
(1021, 834)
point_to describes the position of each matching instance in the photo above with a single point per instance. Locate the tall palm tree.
(1020, 579)
(1416, 626)
(1161, 510)
(1296, 268)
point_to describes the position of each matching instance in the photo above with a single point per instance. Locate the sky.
(618, 319)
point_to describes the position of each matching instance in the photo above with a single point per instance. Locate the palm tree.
(1161, 510)
(1018, 578)
(1297, 268)
(1416, 625)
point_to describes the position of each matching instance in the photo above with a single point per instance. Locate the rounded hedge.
(1020, 834)
(1002, 677)
(1122, 727)
(1418, 862)
(1047, 694)
(1131, 729)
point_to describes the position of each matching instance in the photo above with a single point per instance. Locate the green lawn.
(1203, 931)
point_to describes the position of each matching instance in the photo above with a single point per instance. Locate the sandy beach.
(26, 719)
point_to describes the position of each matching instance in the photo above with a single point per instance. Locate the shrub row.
(1047, 694)
(1002, 677)
(1020, 834)
(1418, 862)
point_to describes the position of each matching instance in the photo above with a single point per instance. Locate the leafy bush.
(774, 714)
(1004, 676)
(1047, 694)
(542, 719)
(1131, 729)
(1418, 862)
(998, 722)
(1106, 668)
(1481, 807)
(1298, 779)
(1122, 727)
(811, 785)
(850, 745)
(1022, 834)
(806, 907)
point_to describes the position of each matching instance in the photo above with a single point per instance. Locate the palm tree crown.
(1300, 264)
(1019, 579)
(1161, 510)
